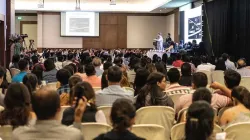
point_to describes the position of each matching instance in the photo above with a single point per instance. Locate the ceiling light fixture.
(112, 2)
(40, 4)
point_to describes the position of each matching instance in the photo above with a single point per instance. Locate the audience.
(49, 75)
(178, 62)
(114, 90)
(69, 60)
(152, 93)
(123, 117)
(220, 65)
(186, 76)
(31, 82)
(97, 62)
(242, 68)
(140, 79)
(58, 63)
(38, 71)
(46, 105)
(91, 76)
(200, 122)
(63, 76)
(229, 64)
(205, 65)
(174, 87)
(23, 67)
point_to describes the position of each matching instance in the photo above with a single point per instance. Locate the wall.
(3, 7)
(170, 25)
(2, 31)
(49, 33)
(24, 18)
(141, 30)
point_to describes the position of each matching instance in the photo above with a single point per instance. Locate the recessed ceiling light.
(160, 10)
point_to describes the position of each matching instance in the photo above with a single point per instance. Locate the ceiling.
(144, 6)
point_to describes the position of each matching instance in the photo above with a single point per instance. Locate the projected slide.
(193, 24)
(79, 24)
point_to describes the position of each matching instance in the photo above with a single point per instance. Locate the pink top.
(178, 63)
(93, 80)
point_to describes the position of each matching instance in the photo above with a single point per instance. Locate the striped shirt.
(177, 89)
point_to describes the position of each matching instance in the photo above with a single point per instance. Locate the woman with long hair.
(220, 65)
(91, 113)
(122, 117)
(200, 121)
(152, 93)
(31, 82)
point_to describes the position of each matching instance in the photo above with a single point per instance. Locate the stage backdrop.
(228, 25)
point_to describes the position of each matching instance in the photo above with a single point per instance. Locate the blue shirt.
(19, 77)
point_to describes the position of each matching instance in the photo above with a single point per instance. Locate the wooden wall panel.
(109, 36)
(122, 36)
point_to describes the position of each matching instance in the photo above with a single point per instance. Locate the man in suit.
(46, 105)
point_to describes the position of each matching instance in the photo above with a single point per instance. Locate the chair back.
(178, 131)
(92, 130)
(175, 97)
(6, 132)
(218, 76)
(160, 115)
(149, 131)
(238, 131)
(14, 71)
(61, 112)
(97, 88)
(106, 110)
(130, 89)
(52, 85)
(245, 82)
(209, 76)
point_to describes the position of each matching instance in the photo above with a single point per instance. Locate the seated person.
(152, 93)
(49, 74)
(108, 95)
(91, 76)
(24, 68)
(178, 62)
(186, 77)
(205, 65)
(91, 113)
(63, 76)
(175, 88)
(240, 112)
(122, 116)
(242, 68)
(97, 62)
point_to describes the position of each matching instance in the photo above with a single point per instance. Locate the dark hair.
(225, 56)
(200, 121)
(140, 79)
(73, 80)
(118, 61)
(173, 75)
(242, 95)
(90, 70)
(204, 59)
(186, 69)
(15, 58)
(150, 88)
(34, 59)
(151, 67)
(122, 112)
(2, 72)
(30, 81)
(202, 94)
(17, 106)
(73, 65)
(60, 58)
(160, 67)
(164, 58)
(45, 103)
(70, 69)
(114, 74)
(104, 81)
(38, 71)
(199, 79)
(232, 78)
(49, 64)
(22, 64)
(70, 56)
(178, 56)
(220, 65)
(106, 65)
(63, 76)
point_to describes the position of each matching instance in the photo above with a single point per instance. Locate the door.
(2, 44)
(29, 28)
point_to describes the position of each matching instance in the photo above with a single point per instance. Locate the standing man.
(159, 40)
(169, 39)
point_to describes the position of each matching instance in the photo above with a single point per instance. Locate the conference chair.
(149, 131)
(130, 89)
(178, 131)
(160, 115)
(61, 112)
(92, 130)
(238, 131)
(106, 110)
(6, 132)
(209, 76)
(218, 76)
(175, 97)
(245, 82)
(97, 88)
(14, 71)
(52, 85)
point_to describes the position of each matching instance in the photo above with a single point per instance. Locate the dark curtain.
(228, 23)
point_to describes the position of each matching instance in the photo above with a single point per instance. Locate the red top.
(178, 63)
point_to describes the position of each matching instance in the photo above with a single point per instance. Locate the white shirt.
(206, 67)
(230, 65)
(159, 42)
(58, 65)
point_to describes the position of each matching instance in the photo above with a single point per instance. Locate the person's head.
(232, 78)
(63, 76)
(35, 59)
(104, 81)
(106, 65)
(204, 59)
(173, 75)
(169, 34)
(118, 61)
(220, 65)
(202, 94)
(199, 79)
(23, 65)
(31, 82)
(157, 79)
(160, 67)
(200, 121)
(225, 56)
(73, 80)
(97, 62)
(17, 103)
(151, 68)
(140, 79)
(164, 58)
(70, 56)
(49, 64)
(70, 69)
(114, 74)
(2, 74)
(15, 58)
(186, 69)
(241, 95)
(186, 58)
(90, 70)
(38, 71)
(122, 114)
(241, 63)
(46, 103)
(83, 89)
(74, 67)
(178, 56)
